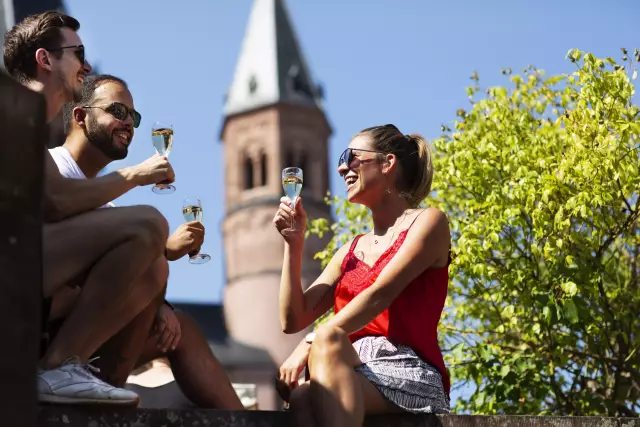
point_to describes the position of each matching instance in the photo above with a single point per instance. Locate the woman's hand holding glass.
(286, 216)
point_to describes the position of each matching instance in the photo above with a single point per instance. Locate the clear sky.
(405, 62)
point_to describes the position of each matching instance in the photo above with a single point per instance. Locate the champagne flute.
(292, 184)
(162, 137)
(192, 211)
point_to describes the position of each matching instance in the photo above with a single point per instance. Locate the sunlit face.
(66, 67)
(362, 170)
(103, 129)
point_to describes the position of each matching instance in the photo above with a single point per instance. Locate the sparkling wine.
(192, 213)
(292, 186)
(162, 140)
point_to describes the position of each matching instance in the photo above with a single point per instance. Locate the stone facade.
(72, 417)
(274, 119)
(273, 137)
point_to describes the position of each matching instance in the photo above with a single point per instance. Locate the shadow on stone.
(23, 132)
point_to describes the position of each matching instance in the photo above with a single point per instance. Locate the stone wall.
(68, 417)
(22, 134)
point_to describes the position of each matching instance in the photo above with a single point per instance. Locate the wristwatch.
(309, 337)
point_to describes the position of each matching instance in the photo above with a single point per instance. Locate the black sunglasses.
(120, 112)
(78, 52)
(347, 156)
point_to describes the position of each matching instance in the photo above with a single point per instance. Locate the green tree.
(540, 181)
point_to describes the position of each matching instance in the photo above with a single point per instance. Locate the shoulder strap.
(414, 219)
(348, 255)
(355, 242)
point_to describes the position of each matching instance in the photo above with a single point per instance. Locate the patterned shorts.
(401, 376)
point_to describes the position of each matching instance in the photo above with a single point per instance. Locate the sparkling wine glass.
(162, 137)
(292, 184)
(192, 211)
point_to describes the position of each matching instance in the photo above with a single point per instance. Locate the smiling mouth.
(123, 138)
(350, 181)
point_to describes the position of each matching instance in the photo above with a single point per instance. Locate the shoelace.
(87, 367)
(90, 367)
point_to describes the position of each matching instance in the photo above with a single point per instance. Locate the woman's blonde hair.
(414, 158)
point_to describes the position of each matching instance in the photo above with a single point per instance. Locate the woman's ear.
(389, 163)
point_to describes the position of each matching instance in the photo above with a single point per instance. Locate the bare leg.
(113, 293)
(62, 302)
(196, 370)
(339, 395)
(301, 408)
(119, 355)
(73, 246)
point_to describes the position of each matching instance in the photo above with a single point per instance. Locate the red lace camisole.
(412, 319)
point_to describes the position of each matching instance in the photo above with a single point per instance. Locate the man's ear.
(43, 58)
(79, 116)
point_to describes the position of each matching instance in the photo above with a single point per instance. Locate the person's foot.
(74, 383)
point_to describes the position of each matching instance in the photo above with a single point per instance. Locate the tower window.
(248, 173)
(263, 169)
(298, 83)
(253, 85)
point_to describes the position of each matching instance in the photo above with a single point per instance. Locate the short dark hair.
(36, 31)
(89, 86)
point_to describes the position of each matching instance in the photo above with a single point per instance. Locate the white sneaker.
(73, 383)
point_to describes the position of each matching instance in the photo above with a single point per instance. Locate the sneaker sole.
(48, 398)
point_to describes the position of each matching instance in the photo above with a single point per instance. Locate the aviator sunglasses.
(348, 156)
(120, 112)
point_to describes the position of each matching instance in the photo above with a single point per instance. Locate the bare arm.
(299, 309)
(426, 246)
(65, 197)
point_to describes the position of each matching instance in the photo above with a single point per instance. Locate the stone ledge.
(55, 416)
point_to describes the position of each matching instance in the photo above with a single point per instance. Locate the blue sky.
(405, 62)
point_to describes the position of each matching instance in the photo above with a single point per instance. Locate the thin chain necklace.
(394, 228)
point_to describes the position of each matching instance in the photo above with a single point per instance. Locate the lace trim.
(357, 275)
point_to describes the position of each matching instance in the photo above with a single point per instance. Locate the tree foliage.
(540, 181)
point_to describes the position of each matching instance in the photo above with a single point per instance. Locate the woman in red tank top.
(379, 353)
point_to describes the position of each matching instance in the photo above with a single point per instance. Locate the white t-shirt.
(69, 168)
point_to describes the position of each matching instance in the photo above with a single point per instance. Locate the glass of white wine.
(292, 184)
(162, 137)
(192, 211)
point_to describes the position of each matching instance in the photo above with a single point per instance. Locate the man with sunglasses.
(45, 53)
(109, 262)
(99, 127)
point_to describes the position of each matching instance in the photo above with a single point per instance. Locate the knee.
(299, 399)
(187, 323)
(328, 344)
(189, 329)
(152, 226)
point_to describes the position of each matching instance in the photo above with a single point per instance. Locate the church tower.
(274, 118)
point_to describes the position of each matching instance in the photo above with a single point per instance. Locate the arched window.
(263, 169)
(247, 167)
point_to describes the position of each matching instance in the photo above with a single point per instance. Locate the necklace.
(394, 228)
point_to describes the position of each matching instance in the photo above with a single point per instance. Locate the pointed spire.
(271, 67)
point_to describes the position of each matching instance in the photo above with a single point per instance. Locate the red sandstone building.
(273, 118)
